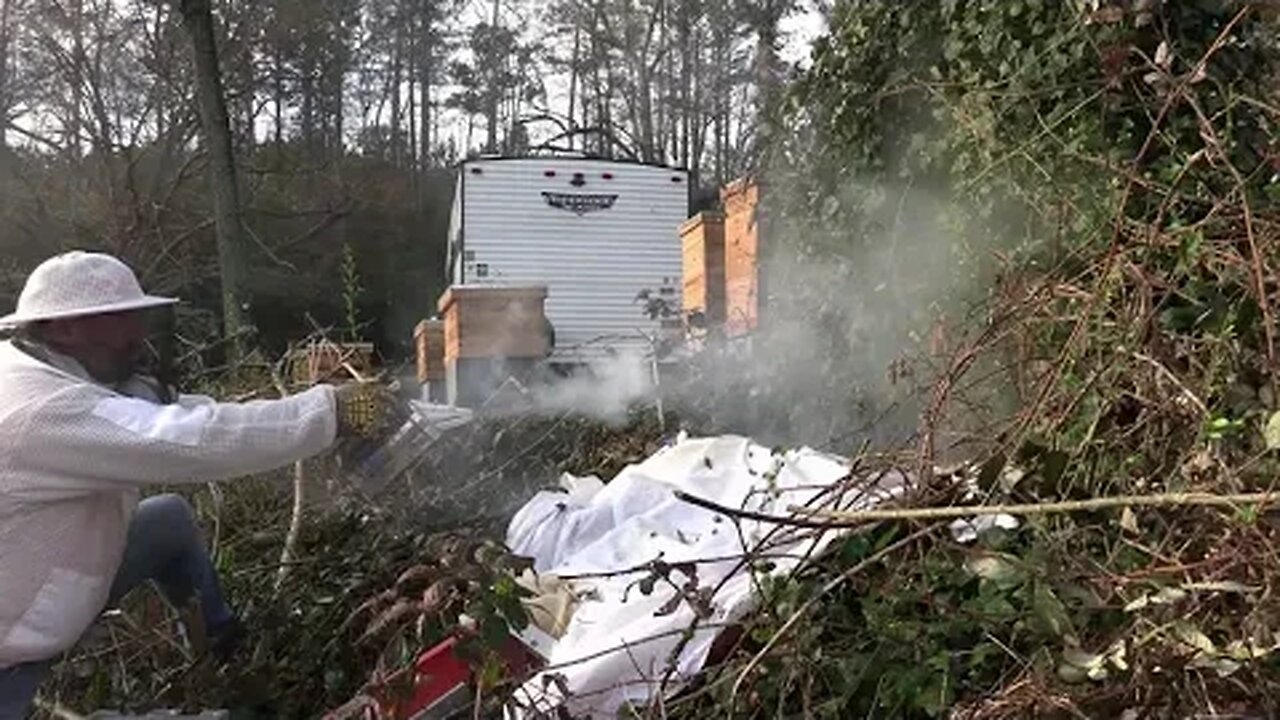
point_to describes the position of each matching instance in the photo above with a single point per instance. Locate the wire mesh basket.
(413, 429)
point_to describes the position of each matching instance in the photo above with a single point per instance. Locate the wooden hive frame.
(488, 322)
(428, 342)
(741, 200)
(702, 253)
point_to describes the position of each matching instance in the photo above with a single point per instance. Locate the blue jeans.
(165, 547)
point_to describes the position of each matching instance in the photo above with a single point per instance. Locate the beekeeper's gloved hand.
(365, 408)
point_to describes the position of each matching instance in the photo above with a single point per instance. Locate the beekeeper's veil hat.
(80, 283)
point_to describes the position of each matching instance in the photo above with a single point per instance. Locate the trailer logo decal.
(579, 204)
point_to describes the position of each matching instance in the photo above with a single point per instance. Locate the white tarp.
(618, 644)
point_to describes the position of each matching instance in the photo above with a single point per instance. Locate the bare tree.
(9, 10)
(672, 81)
(197, 17)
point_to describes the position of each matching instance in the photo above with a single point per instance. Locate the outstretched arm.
(86, 440)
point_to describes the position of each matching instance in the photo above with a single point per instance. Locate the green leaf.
(1166, 596)
(1129, 521)
(1090, 666)
(1072, 674)
(491, 672)
(1223, 666)
(1010, 478)
(990, 471)
(936, 695)
(993, 607)
(1238, 650)
(855, 549)
(997, 568)
(1247, 514)
(1117, 655)
(493, 631)
(886, 537)
(1053, 465)
(1271, 432)
(514, 613)
(1221, 427)
(1193, 637)
(1050, 613)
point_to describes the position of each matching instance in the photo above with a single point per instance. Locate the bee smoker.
(413, 428)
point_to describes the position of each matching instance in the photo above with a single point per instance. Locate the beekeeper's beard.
(117, 366)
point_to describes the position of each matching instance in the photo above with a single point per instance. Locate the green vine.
(351, 292)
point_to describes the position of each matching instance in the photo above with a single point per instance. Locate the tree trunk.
(426, 51)
(688, 51)
(6, 12)
(161, 59)
(494, 94)
(197, 18)
(411, 77)
(696, 132)
(573, 78)
(766, 74)
(306, 120)
(278, 81)
(336, 112)
(721, 103)
(77, 76)
(396, 120)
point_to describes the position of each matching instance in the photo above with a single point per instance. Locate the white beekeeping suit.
(73, 454)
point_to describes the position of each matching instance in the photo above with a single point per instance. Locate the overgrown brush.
(1126, 184)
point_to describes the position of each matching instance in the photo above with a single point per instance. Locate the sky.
(801, 30)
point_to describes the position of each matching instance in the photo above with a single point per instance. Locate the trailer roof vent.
(578, 180)
(676, 179)
(476, 171)
(607, 176)
(549, 173)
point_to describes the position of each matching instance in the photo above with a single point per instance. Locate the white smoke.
(843, 309)
(603, 390)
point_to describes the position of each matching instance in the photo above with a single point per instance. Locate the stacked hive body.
(491, 333)
(428, 342)
(702, 249)
(741, 257)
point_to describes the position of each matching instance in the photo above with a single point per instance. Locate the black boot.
(225, 640)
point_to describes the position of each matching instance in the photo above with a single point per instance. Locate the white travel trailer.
(597, 233)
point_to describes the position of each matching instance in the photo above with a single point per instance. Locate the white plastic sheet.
(618, 646)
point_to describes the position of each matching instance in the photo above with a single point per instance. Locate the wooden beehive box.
(428, 342)
(490, 322)
(741, 200)
(702, 252)
(322, 361)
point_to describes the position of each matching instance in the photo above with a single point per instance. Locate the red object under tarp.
(442, 682)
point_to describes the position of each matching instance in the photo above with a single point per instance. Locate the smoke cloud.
(850, 293)
(605, 390)
(849, 296)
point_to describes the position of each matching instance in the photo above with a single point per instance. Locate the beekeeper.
(80, 432)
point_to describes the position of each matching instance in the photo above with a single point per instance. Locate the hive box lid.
(511, 292)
